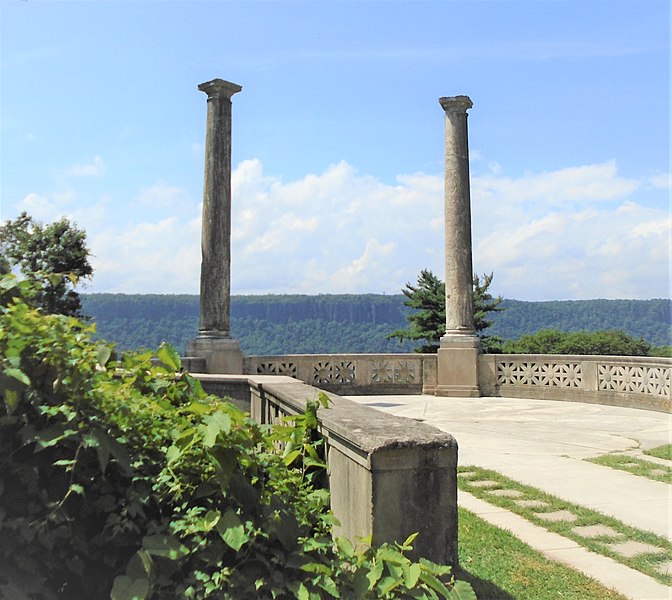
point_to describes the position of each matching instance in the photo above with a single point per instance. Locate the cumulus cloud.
(578, 232)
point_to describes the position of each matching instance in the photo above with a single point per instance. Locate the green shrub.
(121, 478)
(551, 341)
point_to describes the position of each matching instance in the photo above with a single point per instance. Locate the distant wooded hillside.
(285, 324)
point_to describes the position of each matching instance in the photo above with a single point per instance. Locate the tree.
(485, 303)
(428, 297)
(552, 341)
(55, 256)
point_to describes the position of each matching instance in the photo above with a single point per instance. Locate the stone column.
(459, 347)
(214, 344)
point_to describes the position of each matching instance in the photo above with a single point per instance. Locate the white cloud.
(95, 168)
(662, 181)
(590, 183)
(579, 232)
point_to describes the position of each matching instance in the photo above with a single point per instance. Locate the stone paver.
(486, 483)
(632, 548)
(532, 504)
(665, 568)
(558, 515)
(507, 493)
(593, 531)
(467, 474)
(659, 472)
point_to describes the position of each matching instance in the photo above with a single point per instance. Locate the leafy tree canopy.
(551, 341)
(121, 479)
(428, 323)
(55, 256)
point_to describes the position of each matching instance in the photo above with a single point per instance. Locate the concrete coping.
(370, 436)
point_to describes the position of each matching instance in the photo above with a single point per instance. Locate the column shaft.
(215, 303)
(457, 215)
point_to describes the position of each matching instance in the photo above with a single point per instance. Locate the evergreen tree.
(484, 303)
(55, 256)
(428, 323)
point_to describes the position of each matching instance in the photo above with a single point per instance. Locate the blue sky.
(338, 139)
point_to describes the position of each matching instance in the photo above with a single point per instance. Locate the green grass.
(636, 466)
(644, 563)
(664, 451)
(501, 567)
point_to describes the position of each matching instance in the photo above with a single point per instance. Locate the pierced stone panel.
(397, 371)
(334, 372)
(277, 368)
(404, 372)
(638, 379)
(565, 375)
(381, 372)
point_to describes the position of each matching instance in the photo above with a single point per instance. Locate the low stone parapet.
(629, 381)
(351, 373)
(388, 476)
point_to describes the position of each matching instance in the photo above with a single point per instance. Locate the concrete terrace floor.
(543, 443)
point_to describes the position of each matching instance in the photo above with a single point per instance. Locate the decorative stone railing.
(388, 476)
(634, 382)
(351, 373)
(615, 380)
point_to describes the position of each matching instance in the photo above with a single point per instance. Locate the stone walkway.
(544, 444)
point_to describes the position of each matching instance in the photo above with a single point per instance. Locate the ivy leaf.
(434, 583)
(169, 357)
(329, 586)
(12, 398)
(290, 457)
(232, 531)
(172, 454)
(164, 545)
(412, 575)
(374, 573)
(303, 593)
(103, 353)
(77, 489)
(52, 435)
(125, 588)
(18, 374)
(462, 590)
(215, 424)
(99, 440)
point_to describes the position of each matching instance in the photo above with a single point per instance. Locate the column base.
(221, 354)
(458, 366)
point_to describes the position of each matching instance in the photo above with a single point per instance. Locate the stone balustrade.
(388, 476)
(350, 373)
(635, 382)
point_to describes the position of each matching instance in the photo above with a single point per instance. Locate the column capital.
(455, 103)
(219, 88)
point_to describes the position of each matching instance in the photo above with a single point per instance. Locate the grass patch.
(636, 466)
(664, 451)
(501, 567)
(644, 563)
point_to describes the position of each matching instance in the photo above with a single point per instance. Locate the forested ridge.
(285, 324)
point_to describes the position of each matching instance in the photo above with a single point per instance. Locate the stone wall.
(388, 476)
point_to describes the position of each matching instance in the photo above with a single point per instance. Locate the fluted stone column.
(214, 343)
(459, 347)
